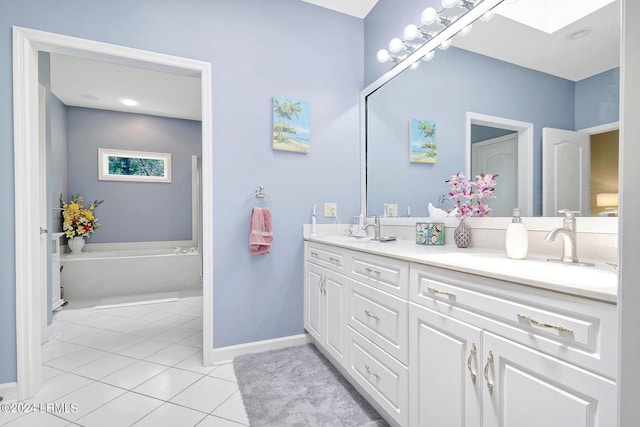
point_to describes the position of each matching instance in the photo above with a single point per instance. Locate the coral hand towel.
(260, 232)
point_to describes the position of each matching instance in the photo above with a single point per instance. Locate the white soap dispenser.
(517, 241)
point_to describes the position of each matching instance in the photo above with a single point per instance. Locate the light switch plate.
(330, 210)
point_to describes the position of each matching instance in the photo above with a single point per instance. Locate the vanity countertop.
(599, 282)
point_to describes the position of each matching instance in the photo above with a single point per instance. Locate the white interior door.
(565, 171)
(499, 156)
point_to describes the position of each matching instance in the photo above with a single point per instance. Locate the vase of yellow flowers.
(78, 222)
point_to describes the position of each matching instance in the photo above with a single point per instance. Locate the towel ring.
(260, 194)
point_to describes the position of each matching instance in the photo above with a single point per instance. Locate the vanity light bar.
(452, 25)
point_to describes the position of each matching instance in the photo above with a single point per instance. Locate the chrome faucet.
(376, 227)
(568, 234)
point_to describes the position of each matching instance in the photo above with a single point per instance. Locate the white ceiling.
(102, 85)
(357, 8)
(506, 39)
(93, 84)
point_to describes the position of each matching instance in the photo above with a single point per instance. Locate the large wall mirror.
(529, 78)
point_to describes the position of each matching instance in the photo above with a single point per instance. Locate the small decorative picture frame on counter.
(430, 233)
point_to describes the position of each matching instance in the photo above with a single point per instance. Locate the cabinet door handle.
(314, 254)
(535, 322)
(472, 355)
(372, 372)
(368, 313)
(439, 292)
(372, 270)
(334, 260)
(486, 372)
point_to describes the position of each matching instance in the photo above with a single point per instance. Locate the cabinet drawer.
(383, 378)
(387, 274)
(325, 256)
(574, 329)
(380, 317)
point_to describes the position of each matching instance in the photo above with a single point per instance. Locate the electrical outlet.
(391, 210)
(330, 210)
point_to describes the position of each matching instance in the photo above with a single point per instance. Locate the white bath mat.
(130, 300)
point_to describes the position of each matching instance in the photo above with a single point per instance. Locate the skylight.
(549, 15)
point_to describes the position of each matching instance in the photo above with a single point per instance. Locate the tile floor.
(131, 366)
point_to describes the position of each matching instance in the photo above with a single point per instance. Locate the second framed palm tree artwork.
(291, 125)
(422, 146)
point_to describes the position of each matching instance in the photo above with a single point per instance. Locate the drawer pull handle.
(315, 254)
(334, 260)
(439, 292)
(472, 355)
(486, 372)
(368, 313)
(535, 322)
(371, 270)
(372, 372)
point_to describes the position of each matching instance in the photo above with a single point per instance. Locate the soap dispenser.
(517, 241)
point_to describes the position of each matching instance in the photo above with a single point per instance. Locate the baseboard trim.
(9, 391)
(227, 354)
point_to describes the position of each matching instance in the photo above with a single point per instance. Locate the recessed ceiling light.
(578, 34)
(129, 102)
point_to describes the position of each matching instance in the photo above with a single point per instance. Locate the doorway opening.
(30, 267)
(509, 139)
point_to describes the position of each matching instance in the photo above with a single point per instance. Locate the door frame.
(525, 153)
(29, 274)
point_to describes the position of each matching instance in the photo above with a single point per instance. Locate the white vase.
(76, 244)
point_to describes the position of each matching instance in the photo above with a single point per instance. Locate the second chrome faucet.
(568, 235)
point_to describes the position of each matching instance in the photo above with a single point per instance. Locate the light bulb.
(449, 3)
(383, 56)
(396, 45)
(410, 32)
(414, 66)
(466, 30)
(488, 16)
(445, 45)
(429, 16)
(429, 56)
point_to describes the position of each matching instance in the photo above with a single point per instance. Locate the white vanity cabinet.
(433, 346)
(479, 354)
(324, 299)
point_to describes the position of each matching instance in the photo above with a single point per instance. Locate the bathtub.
(128, 271)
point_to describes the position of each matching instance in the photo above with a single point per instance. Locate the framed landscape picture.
(140, 166)
(291, 125)
(422, 144)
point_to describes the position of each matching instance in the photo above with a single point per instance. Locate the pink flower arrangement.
(470, 197)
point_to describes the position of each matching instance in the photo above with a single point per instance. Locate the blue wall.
(598, 99)
(257, 51)
(482, 133)
(133, 211)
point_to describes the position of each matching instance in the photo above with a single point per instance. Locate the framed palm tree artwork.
(422, 146)
(291, 125)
